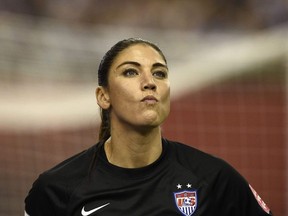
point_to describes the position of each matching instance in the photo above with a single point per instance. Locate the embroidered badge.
(186, 201)
(259, 200)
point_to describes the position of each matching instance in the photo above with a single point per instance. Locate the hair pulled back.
(103, 72)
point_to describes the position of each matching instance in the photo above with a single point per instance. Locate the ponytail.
(104, 132)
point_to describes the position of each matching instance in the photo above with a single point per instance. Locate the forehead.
(140, 53)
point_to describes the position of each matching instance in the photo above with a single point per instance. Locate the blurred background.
(228, 70)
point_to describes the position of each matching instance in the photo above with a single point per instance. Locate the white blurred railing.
(48, 69)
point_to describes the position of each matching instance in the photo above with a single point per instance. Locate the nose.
(148, 82)
(149, 86)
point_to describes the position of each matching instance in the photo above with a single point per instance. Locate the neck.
(134, 149)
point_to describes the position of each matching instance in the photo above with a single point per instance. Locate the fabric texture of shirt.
(183, 181)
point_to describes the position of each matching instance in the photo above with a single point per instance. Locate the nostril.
(150, 87)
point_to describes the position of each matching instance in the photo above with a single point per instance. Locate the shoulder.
(196, 159)
(225, 181)
(206, 167)
(55, 186)
(71, 170)
(75, 166)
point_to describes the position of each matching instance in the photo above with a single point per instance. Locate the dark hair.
(103, 72)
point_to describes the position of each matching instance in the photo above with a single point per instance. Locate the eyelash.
(127, 72)
(133, 72)
(160, 74)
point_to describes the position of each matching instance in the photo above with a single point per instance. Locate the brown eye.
(130, 73)
(160, 74)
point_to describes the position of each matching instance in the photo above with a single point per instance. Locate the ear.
(102, 96)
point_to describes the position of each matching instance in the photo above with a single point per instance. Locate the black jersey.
(183, 181)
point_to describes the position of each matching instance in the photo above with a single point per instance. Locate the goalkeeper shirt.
(182, 181)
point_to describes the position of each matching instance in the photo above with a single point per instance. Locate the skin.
(138, 95)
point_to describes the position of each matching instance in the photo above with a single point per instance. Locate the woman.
(133, 170)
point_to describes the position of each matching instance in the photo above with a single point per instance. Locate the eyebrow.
(157, 64)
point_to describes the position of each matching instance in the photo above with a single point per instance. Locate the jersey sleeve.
(37, 202)
(52, 191)
(40, 200)
(237, 197)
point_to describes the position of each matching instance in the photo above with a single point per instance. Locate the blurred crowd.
(204, 15)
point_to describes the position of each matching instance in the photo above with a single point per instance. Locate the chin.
(153, 121)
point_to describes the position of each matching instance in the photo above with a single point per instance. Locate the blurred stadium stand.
(228, 72)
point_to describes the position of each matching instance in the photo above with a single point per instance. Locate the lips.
(149, 98)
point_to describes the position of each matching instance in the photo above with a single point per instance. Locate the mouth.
(150, 99)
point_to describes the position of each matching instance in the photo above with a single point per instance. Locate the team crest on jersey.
(186, 201)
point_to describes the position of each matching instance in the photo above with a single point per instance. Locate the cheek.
(121, 94)
(166, 99)
(167, 105)
(165, 90)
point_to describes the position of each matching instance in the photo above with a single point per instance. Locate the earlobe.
(102, 97)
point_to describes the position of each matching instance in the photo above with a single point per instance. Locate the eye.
(130, 72)
(160, 74)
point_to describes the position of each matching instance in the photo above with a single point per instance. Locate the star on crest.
(179, 186)
(189, 185)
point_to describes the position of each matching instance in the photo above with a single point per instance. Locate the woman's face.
(138, 89)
